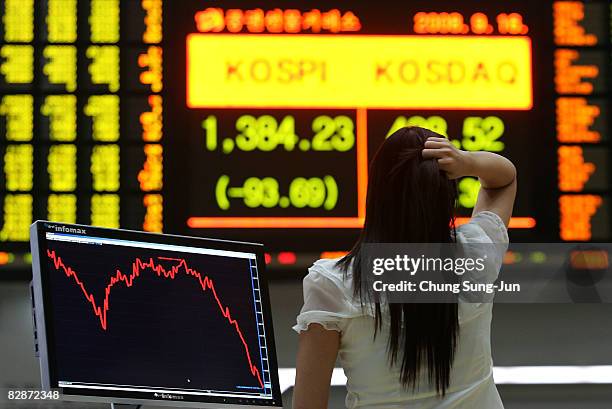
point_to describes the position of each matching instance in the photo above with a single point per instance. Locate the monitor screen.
(140, 316)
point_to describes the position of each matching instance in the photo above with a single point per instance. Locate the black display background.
(160, 332)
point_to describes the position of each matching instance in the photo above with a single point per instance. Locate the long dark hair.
(410, 200)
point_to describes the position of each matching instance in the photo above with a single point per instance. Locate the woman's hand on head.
(456, 163)
(496, 174)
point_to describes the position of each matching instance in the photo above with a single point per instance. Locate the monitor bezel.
(44, 321)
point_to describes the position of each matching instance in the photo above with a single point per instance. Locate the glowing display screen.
(244, 120)
(320, 71)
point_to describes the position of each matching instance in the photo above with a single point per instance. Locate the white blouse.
(372, 383)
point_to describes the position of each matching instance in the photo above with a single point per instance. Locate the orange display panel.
(574, 172)
(359, 71)
(314, 222)
(576, 214)
(568, 30)
(575, 117)
(570, 77)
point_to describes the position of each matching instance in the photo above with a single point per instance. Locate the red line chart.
(206, 283)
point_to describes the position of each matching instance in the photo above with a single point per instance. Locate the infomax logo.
(64, 229)
(170, 396)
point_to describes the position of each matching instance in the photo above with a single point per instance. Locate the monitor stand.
(124, 406)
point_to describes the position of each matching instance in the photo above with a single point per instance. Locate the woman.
(407, 355)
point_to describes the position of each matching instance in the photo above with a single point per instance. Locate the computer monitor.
(142, 318)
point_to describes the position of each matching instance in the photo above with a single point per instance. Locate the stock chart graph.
(166, 319)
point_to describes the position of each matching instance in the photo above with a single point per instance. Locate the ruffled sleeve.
(491, 225)
(485, 236)
(326, 301)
